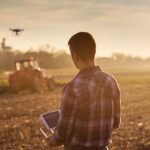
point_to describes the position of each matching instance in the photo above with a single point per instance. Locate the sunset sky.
(117, 25)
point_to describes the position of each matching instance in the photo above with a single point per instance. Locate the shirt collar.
(89, 69)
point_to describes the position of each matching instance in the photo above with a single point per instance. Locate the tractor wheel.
(14, 87)
(51, 83)
(39, 84)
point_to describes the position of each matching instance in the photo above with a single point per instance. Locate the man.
(90, 105)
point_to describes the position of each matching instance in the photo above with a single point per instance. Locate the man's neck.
(86, 65)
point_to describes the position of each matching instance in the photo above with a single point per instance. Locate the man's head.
(82, 47)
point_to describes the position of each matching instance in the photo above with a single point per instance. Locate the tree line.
(61, 59)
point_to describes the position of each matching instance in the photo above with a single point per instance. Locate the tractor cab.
(28, 75)
(24, 64)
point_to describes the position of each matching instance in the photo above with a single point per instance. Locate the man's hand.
(50, 141)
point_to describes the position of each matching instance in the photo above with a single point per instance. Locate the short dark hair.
(83, 45)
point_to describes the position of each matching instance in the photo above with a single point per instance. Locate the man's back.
(90, 109)
(94, 117)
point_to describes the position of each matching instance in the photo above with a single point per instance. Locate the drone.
(16, 31)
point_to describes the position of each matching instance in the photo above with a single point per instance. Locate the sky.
(121, 26)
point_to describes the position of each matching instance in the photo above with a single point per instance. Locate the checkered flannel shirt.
(90, 109)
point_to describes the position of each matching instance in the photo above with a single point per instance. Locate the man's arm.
(67, 117)
(117, 102)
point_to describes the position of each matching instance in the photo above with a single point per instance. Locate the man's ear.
(74, 56)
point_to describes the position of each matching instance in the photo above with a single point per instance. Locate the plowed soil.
(20, 121)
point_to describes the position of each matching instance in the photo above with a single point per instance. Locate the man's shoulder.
(68, 85)
(112, 83)
(110, 78)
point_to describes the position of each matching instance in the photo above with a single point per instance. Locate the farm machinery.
(29, 76)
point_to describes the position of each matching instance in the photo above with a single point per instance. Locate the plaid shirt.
(90, 109)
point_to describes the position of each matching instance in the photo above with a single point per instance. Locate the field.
(20, 122)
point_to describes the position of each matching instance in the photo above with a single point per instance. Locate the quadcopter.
(16, 31)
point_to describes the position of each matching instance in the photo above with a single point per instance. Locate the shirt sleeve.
(66, 121)
(117, 102)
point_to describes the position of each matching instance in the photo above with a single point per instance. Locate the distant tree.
(63, 60)
(119, 57)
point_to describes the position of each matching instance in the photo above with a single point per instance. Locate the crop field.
(20, 121)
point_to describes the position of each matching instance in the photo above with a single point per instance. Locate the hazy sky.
(117, 25)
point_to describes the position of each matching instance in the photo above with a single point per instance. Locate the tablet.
(50, 120)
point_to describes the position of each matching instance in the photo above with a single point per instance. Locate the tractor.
(29, 76)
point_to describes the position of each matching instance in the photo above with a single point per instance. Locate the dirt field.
(20, 122)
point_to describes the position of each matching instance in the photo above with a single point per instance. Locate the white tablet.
(50, 120)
